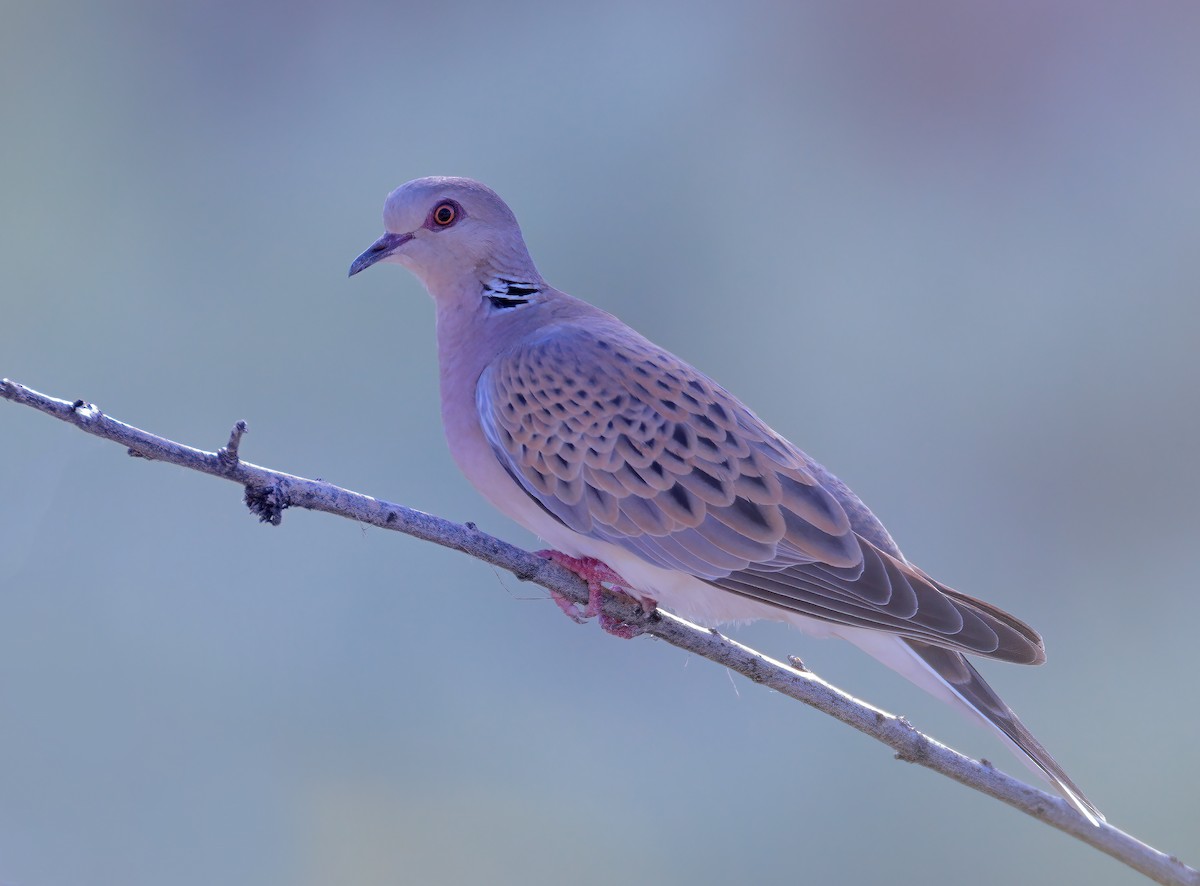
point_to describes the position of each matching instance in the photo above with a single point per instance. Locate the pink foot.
(596, 574)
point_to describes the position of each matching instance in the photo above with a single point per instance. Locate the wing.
(624, 442)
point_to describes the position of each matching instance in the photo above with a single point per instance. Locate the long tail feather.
(952, 669)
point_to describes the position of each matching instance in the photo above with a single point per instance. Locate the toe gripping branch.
(596, 574)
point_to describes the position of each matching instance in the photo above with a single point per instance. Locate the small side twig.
(269, 493)
(228, 454)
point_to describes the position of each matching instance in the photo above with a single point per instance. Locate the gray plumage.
(610, 447)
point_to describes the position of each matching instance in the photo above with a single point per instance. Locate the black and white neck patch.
(502, 292)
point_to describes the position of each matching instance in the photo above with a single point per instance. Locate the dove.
(646, 474)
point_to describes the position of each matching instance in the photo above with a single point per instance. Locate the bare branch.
(269, 493)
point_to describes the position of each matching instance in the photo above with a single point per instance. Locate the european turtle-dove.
(621, 454)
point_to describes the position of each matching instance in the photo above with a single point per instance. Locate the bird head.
(450, 232)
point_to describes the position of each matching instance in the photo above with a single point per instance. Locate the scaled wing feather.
(622, 441)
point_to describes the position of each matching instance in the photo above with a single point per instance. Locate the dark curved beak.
(379, 250)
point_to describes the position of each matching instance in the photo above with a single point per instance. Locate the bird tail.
(948, 675)
(953, 670)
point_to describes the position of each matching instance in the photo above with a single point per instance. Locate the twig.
(229, 453)
(269, 493)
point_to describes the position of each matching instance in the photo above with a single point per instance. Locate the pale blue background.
(950, 250)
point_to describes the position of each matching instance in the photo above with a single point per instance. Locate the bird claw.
(596, 574)
(571, 609)
(618, 628)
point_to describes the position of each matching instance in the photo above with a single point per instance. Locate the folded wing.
(622, 441)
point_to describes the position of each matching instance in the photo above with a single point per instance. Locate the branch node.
(796, 662)
(228, 454)
(267, 502)
(85, 413)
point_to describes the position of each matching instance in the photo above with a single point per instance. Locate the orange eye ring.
(445, 214)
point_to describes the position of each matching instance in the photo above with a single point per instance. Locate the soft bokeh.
(950, 249)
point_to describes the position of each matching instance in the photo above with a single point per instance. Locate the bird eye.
(445, 214)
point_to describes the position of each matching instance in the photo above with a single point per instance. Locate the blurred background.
(949, 249)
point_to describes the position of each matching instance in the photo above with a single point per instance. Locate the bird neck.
(471, 333)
